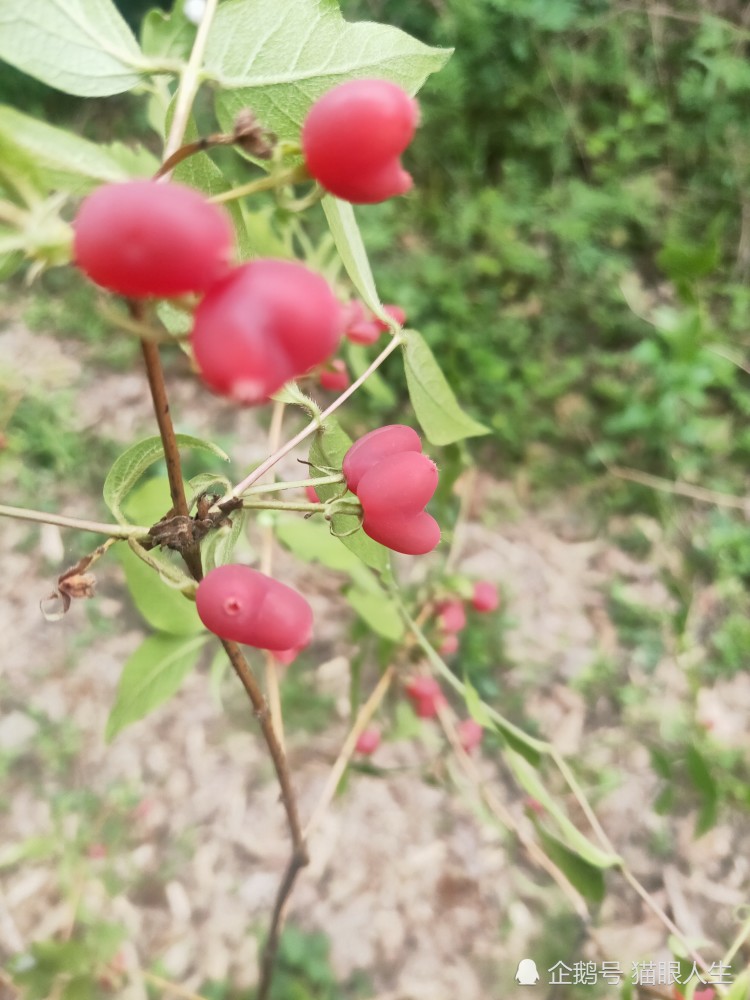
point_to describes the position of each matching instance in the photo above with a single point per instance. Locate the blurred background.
(578, 258)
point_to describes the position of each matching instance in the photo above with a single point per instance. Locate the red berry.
(285, 656)
(470, 734)
(485, 596)
(363, 332)
(352, 311)
(337, 378)
(144, 239)
(375, 446)
(449, 645)
(368, 741)
(426, 696)
(353, 138)
(412, 536)
(312, 496)
(396, 312)
(393, 493)
(452, 616)
(241, 604)
(266, 323)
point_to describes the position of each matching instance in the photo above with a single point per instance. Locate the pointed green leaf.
(131, 465)
(346, 234)
(61, 160)
(377, 611)
(434, 402)
(82, 47)
(529, 780)
(277, 58)
(162, 607)
(312, 541)
(151, 676)
(168, 35)
(588, 879)
(219, 545)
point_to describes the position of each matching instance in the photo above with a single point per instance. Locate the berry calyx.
(238, 603)
(353, 138)
(375, 446)
(368, 741)
(485, 597)
(143, 239)
(470, 734)
(268, 322)
(426, 696)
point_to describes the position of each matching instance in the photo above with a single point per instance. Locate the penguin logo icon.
(526, 975)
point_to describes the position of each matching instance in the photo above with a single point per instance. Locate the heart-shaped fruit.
(374, 447)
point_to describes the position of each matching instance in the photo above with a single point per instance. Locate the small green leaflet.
(277, 58)
(434, 402)
(169, 35)
(346, 234)
(329, 446)
(81, 47)
(588, 879)
(151, 676)
(218, 547)
(59, 160)
(163, 607)
(131, 465)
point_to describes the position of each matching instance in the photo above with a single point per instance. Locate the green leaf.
(329, 446)
(131, 465)
(218, 547)
(204, 480)
(151, 676)
(570, 835)
(162, 607)
(434, 402)
(168, 35)
(312, 541)
(377, 611)
(588, 879)
(58, 159)
(81, 47)
(740, 988)
(345, 231)
(278, 58)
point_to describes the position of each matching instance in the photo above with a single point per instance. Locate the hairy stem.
(97, 527)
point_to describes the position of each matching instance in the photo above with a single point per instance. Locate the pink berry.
(375, 446)
(285, 656)
(353, 138)
(425, 695)
(143, 239)
(268, 322)
(368, 741)
(449, 645)
(393, 493)
(335, 379)
(470, 734)
(452, 616)
(485, 596)
(395, 312)
(240, 604)
(364, 332)
(312, 496)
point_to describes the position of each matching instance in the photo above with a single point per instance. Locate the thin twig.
(305, 433)
(364, 715)
(294, 485)
(271, 672)
(155, 373)
(294, 175)
(699, 493)
(97, 527)
(190, 82)
(299, 849)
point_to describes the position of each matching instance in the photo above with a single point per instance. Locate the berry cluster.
(394, 481)
(451, 614)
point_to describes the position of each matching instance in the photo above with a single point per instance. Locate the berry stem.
(314, 425)
(302, 506)
(297, 484)
(97, 527)
(271, 673)
(294, 175)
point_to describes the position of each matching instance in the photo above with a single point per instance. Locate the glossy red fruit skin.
(398, 484)
(452, 616)
(375, 446)
(485, 597)
(368, 741)
(268, 322)
(335, 379)
(412, 536)
(353, 137)
(470, 734)
(364, 332)
(143, 239)
(238, 603)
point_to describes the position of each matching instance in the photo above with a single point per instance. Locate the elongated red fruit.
(353, 138)
(143, 239)
(238, 603)
(374, 447)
